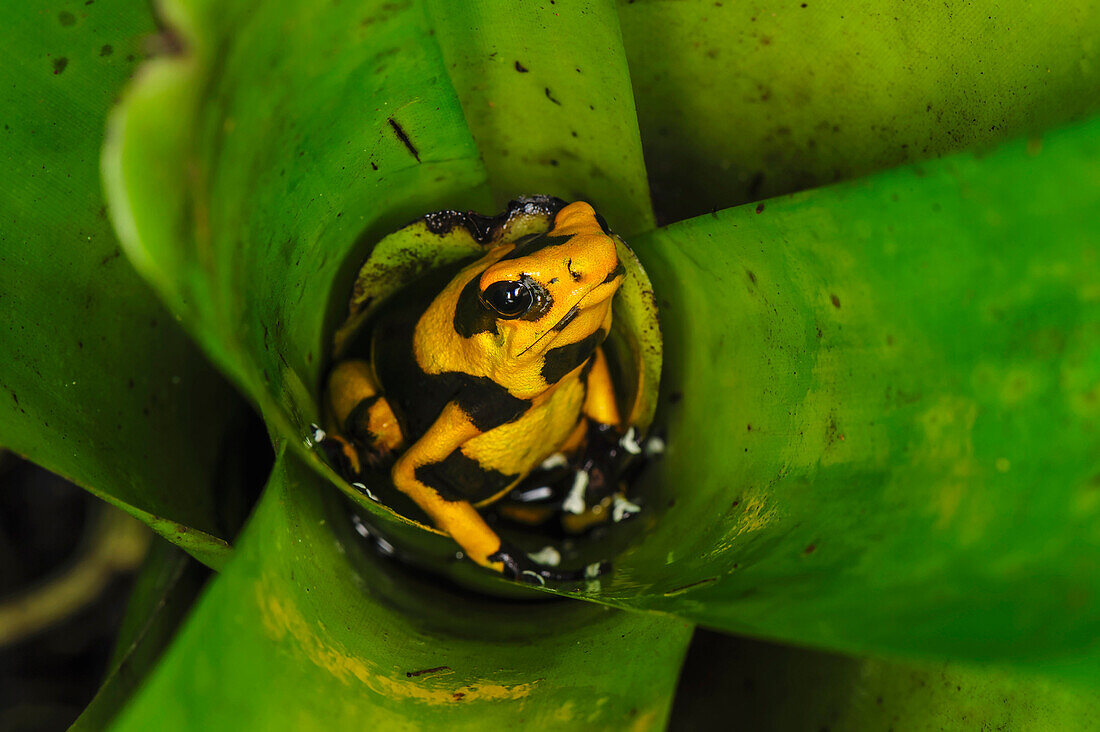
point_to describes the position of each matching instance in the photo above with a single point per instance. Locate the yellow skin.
(544, 368)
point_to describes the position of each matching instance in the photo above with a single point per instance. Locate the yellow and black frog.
(478, 378)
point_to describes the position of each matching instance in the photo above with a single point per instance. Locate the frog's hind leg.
(361, 412)
(421, 474)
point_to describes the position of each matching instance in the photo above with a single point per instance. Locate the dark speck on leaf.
(675, 397)
(66, 18)
(404, 138)
(759, 208)
(810, 549)
(521, 68)
(424, 672)
(551, 97)
(373, 166)
(106, 50)
(59, 64)
(835, 301)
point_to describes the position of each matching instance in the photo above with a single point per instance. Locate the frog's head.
(551, 295)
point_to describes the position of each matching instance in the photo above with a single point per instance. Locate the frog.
(484, 376)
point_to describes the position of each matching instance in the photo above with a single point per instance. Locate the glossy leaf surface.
(248, 245)
(883, 413)
(250, 174)
(302, 629)
(546, 92)
(776, 687)
(740, 101)
(99, 383)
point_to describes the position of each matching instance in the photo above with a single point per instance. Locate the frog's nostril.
(577, 276)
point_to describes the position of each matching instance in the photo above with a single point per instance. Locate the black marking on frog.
(355, 426)
(561, 360)
(459, 477)
(417, 398)
(471, 316)
(617, 272)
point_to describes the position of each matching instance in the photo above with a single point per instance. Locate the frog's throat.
(552, 329)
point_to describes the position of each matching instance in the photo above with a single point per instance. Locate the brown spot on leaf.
(404, 138)
(426, 671)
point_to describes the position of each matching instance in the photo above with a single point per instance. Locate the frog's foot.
(529, 569)
(340, 454)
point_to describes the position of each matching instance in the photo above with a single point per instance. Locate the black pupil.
(510, 299)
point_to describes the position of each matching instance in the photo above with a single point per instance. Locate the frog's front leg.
(604, 452)
(600, 404)
(361, 413)
(594, 477)
(414, 475)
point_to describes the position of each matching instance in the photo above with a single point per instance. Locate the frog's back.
(417, 397)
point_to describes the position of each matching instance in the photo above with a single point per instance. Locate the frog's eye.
(509, 299)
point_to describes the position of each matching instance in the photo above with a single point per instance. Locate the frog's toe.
(623, 509)
(629, 442)
(574, 502)
(548, 556)
(511, 565)
(541, 568)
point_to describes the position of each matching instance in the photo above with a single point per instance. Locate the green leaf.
(98, 382)
(305, 628)
(165, 589)
(250, 174)
(739, 101)
(546, 92)
(883, 413)
(774, 687)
